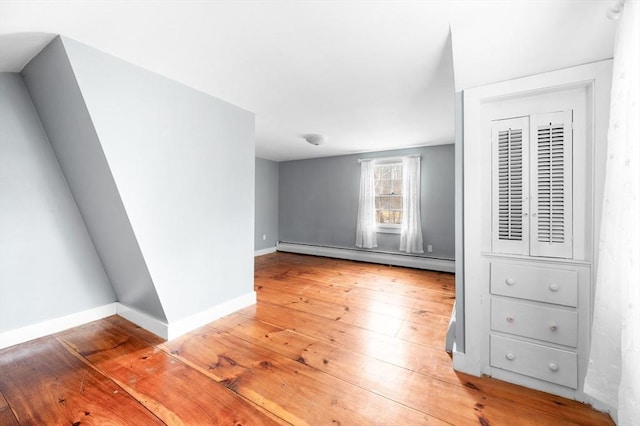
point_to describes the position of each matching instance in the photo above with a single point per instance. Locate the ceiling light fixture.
(315, 139)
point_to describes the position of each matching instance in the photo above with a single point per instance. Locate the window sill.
(388, 229)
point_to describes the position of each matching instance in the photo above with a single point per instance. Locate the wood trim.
(432, 264)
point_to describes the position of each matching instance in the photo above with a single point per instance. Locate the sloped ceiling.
(368, 75)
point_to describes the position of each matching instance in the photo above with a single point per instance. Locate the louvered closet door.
(510, 186)
(551, 185)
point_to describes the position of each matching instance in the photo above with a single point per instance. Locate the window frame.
(389, 228)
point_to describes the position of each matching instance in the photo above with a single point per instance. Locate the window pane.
(396, 172)
(398, 217)
(386, 187)
(384, 216)
(387, 181)
(396, 186)
(396, 202)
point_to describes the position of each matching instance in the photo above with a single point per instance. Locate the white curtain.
(613, 374)
(366, 225)
(411, 231)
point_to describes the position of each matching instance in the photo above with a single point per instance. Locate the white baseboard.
(154, 325)
(262, 252)
(460, 361)
(396, 259)
(178, 328)
(55, 325)
(192, 322)
(157, 327)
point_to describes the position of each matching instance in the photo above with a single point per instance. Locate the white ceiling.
(369, 75)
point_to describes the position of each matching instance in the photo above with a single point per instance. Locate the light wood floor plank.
(134, 364)
(328, 342)
(290, 389)
(373, 321)
(6, 415)
(334, 295)
(45, 384)
(433, 362)
(401, 385)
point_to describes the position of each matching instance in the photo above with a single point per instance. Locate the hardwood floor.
(330, 342)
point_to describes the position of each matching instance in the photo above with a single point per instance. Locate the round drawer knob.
(509, 356)
(553, 327)
(553, 366)
(509, 318)
(510, 281)
(554, 287)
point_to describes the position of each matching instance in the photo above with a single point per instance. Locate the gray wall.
(266, 216)
(53, 87)
(318, 201)
(183, 163)
(175, 168)
(48, 265)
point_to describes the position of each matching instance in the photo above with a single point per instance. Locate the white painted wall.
(48, 265)
(183, 163)
(53, 87)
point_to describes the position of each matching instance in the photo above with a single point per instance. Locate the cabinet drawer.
(538, 322)
(550, 285)
(542, 362)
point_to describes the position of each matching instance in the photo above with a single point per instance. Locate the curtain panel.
(411, 231)
(366, 224)
(613, 373)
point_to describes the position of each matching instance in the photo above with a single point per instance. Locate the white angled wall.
(183, 164)
(48, 265)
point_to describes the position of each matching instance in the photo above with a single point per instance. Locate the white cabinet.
(543, 284)
(538, 319)
(510, 185)
(533, 162)
(538, 316)
(532, 185)
(546, 323)
(551, 197)
(550, 364)
(534, 310)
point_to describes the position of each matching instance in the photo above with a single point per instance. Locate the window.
(388, 194)
(389, 202)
